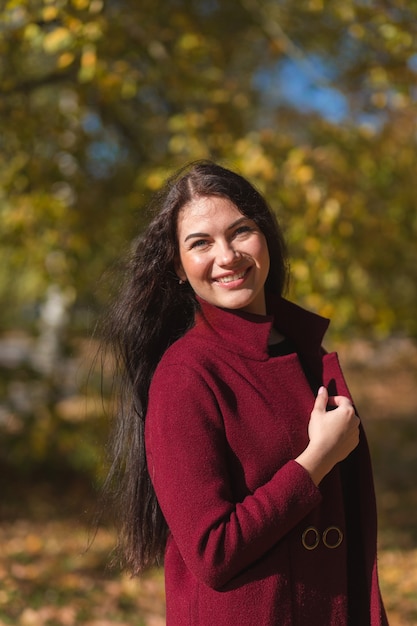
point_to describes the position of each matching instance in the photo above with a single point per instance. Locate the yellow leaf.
(330, 211)
(49, 13)
(300, 270)
(32, 32)
(315, 5)
(155, 180)
(81, 5)
(312, 244)
(96, 6)
(189, 41)
(129, 89)
(92, 31)
(88, 59)
(388, 31)
(65, 60)
(33, 543)
(57, 40)
(88, 64)
(304, 174)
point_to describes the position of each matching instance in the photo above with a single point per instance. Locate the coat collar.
(247, 334)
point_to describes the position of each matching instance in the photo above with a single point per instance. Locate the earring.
(181, 282)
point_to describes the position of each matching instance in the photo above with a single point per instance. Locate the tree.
(314, 101)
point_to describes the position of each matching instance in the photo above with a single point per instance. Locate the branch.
(27, 86)
(274, 32)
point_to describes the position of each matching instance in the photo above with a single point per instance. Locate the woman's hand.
(333, 435)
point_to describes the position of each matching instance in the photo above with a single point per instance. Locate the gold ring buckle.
(339, 537)
(310, 546)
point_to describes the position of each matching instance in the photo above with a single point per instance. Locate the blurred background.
(313, 101)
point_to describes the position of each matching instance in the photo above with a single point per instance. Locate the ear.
(180, 271)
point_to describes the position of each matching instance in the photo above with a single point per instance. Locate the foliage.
(49, 579)
(314, 101)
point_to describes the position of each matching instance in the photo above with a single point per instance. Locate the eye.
(199, 243)
(242, 230)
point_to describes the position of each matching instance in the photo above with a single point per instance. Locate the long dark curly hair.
(151, 311)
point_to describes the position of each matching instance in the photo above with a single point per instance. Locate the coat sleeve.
(186, 451)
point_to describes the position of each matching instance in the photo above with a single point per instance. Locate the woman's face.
(222, 254)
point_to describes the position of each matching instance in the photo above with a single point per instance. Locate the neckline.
(275, 337)
(247, 334)
(282, 348)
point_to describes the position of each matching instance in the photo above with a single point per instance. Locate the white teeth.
(229, 279)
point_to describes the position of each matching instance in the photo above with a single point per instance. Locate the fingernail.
(321, 390)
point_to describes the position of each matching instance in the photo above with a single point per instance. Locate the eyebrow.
(236, 223)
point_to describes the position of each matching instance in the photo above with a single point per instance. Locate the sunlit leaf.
(57, 40)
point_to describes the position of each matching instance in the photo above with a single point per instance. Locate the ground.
(53, 575)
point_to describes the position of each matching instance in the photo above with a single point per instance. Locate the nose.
(227, 254)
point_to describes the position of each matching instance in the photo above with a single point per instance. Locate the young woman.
(240, 457)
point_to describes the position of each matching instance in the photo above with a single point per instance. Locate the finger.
(342, 401)
(339, 401)
(321, 399)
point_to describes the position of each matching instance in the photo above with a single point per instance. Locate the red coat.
(253, 541)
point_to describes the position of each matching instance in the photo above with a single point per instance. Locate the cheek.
(194, 265)
(267, 261)
(262, 254)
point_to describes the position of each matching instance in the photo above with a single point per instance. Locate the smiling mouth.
(232, 277)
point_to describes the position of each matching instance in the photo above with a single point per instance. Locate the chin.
(237, 304)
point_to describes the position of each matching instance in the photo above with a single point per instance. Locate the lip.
(232, 279)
